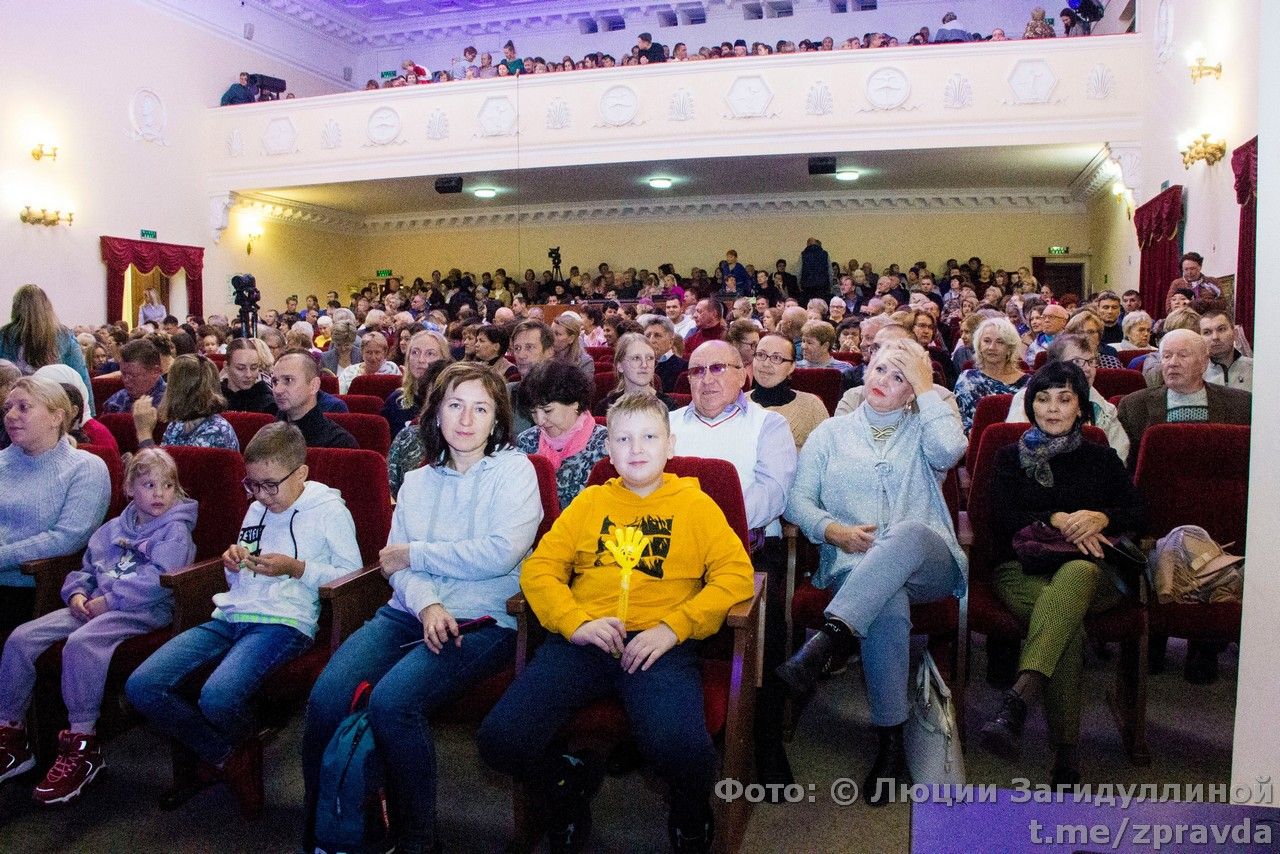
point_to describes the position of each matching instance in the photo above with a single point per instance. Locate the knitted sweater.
(803, 414)
(573, 472)
(63, 496)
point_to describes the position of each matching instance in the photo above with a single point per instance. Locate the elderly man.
(1227, 366)
(708, 322)
(1184, 398)
(1053, 319)
(295, 385)
(1194, 279)
(722, 423)
(531, 344)
(662, 338)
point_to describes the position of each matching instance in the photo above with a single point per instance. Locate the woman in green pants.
(1054, 477)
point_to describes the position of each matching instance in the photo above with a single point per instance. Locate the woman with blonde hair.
(425, 349)
(567, 332)
(995, 367)
(191, 403)
(33, 337)
(63, 496)
(634, 362)
(152, 310)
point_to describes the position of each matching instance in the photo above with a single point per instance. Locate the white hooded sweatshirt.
(317, 529)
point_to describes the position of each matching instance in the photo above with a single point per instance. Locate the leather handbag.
(1042, 549)
(931, 736)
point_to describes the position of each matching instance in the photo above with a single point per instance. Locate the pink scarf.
(568, 443)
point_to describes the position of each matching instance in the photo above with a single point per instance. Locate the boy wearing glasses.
(296, 536)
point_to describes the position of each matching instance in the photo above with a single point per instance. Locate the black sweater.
(320, 432)
(1091, 477)
(256, 398)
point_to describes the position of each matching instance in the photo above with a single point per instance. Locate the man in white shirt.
(675, 313)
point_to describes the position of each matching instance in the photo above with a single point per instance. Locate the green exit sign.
(147, 234)
(383, 274)
(387, 75)
(1059, 250)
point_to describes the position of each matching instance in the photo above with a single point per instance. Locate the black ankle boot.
(890, 766)
(691, 835)
(802, 670)
(1002, 735)
(569, 806)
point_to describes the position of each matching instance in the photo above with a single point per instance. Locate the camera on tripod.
(246, 296)
(554, 254)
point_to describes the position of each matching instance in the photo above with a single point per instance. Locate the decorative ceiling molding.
(907, 201)
(298, 213)
(1094, 178)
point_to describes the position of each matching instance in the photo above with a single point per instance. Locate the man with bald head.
(1185, 397)
(722, 423)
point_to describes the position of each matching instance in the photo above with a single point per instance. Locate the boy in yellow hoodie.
(628, 580)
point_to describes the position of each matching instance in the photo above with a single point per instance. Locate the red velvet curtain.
(1158, 222)
(119, 252)
(1244, 163)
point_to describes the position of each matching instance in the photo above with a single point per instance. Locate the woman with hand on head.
(634, 362)
(462, 525)
(883, 548)
(1054, 477)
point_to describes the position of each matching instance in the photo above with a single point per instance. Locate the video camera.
(246, 296)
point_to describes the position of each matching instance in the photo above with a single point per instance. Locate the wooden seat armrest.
(50, 573)
(964, 533)
(353, 599)
(193, 589)
(517, 605)
(746, 614)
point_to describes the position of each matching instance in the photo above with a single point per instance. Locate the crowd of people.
(493, 371)
(473, 64)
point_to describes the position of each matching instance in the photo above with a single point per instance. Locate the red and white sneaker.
(79, 761)
(15, 752)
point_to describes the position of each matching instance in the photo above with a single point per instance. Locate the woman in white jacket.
(296, 536)
(463, 524)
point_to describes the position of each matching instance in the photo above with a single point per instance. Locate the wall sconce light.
(40, 152)
(1201, 69)
(1201, 148)
(1124, 196)
(45, 216)
(253, 235)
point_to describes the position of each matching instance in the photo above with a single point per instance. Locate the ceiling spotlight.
(846, 175)
(661, 183)
(486, 193)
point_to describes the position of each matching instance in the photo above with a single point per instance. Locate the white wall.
(812, 19)
(116, 184)
(1257, 749)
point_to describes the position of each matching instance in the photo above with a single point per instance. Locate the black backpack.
(352, 816)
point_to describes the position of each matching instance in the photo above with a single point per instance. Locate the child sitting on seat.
(633, 635)
(297, 535)
(113, 597)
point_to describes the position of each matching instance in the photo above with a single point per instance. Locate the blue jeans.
(221, 719)
(909, 564)
(663, 704)
(409, 684)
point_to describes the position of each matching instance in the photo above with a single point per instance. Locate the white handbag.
(931, 735)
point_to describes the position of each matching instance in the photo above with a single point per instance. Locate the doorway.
(1063, 276)
(136, 286)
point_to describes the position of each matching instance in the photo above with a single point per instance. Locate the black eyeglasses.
(268, 488)
(773, 358)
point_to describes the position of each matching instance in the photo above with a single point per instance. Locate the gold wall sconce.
(41, 152)
(1202, 148)
(1200, 68)
(45, 217)
(253, 235)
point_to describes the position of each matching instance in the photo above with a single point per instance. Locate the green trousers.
(1054, 607)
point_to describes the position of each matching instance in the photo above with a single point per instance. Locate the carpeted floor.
(1189, 734)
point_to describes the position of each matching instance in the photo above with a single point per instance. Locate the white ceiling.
(1044, 167)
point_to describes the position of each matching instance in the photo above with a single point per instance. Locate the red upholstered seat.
(368, 498)
(104, 387)
(115, 468)
(1113, 381)
(681, 399)
(682, 383)
(219, 359)
(329, 383)
(371, 432)
(853, 357)
(991, 409)
(126, 435)
(605, 381)
(598, 353)
(826, 383)
(365, 403)
(1126, 624)
(1215, 497)
(247, 425)
(1041, 358)
(377, 385)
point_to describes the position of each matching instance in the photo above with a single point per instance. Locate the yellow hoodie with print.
(692, 571)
